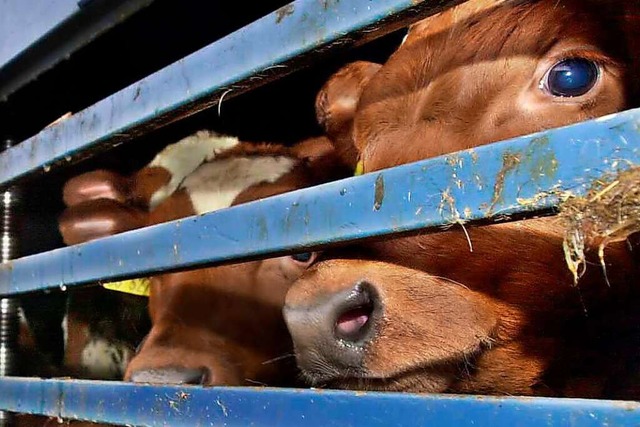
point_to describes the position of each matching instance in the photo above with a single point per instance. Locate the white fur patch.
(183, 157)
(102, 359)
(215, 185)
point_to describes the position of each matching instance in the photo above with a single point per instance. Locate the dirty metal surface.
(145, 405)
(268, 48)
(35, 35)
(524, 174)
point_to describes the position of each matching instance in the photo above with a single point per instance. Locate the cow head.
(221, 325)
(424, 313)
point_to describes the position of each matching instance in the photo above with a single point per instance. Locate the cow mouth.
(419, 379)
(426, 377)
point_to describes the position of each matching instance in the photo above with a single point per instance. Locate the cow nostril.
(354, 315)
(171, 375)
(351, 322)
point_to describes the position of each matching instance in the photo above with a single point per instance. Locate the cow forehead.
(215, 185)
(185, 156)
(445, 20)
(451, 76)
(480, 31)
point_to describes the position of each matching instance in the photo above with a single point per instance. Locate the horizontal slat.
(35, 35)
(22, 23)
(262, 51)
(131, 404)
(522, 174)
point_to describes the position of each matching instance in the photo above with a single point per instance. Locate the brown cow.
(425, 313)
(214, 326)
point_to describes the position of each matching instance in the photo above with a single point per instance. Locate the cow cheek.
(292, 270)
(431, 325)
(274, 277)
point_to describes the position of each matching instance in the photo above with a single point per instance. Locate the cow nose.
(176, 375)
(352, 317)
(336, 328)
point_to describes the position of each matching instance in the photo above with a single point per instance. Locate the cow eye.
(304, 257)
(571, 77)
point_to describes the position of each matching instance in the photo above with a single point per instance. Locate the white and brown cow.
(221, 325)
(425, 313)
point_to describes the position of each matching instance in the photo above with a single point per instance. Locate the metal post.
(9, 320)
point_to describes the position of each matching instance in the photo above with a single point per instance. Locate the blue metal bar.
(268, 48)
(23, 23)
(522, 174)
(35, 35)
(133, 404)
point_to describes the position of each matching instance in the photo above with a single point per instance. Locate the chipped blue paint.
(133, 404)
(270, 48)
(522, 174)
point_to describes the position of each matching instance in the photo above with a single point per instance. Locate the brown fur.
(225, 319)
(465, 78)
(336, 104)
(482, 81)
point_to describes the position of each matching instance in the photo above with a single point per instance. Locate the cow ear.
(312, 148)
(98, 218)
(98, 184)
(337, 103)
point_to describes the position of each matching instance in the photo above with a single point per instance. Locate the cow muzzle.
(331, 335)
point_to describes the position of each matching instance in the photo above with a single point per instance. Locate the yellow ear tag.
(132, 286)
(359, 168)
